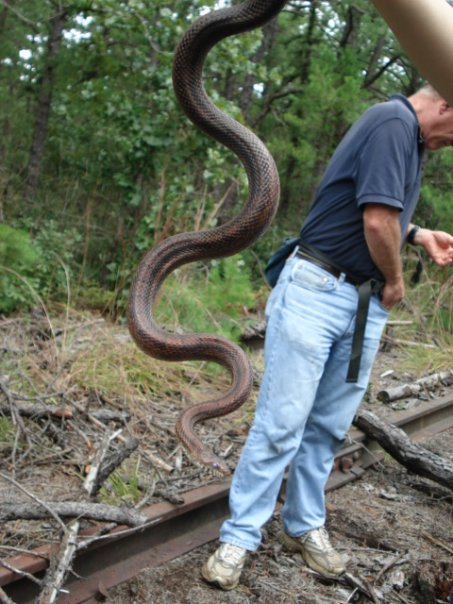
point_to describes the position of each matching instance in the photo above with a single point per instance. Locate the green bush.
(18, 263)
(35, 269)
(209, 298)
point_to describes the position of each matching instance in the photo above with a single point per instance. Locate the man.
(359, 220)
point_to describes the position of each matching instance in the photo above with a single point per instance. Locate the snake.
(228, 239)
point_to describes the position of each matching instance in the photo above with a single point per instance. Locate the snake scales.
(230, 238)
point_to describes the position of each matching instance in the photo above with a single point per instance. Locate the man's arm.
(383, 236)
(438, 244)
(425, 30)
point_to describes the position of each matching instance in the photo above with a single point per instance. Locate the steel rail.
(173, 530)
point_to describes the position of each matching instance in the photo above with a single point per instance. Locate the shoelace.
(320, 538)
(231, 553)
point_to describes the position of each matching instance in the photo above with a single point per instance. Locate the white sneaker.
(225, 565)
(316, 550)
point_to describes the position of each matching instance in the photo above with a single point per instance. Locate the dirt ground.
(395, 529)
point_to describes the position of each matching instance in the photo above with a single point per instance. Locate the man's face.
(440, 134)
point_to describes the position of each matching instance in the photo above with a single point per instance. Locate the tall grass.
(428, 309)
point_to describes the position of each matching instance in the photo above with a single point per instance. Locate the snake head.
(215, 464)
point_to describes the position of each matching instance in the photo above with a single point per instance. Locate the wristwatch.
(411, 235)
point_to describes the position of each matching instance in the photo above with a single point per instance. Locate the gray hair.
(430, 91)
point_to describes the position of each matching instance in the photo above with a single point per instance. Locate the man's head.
(435, 117)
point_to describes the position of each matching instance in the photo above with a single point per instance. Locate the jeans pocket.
(380, 305)
(312, 277)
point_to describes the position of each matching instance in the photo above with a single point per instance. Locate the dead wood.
(158, 462)
(434, 580)
(112, 462)
(400, 559)
(414, 457)
(360, 585)
(363, 587)
(20, 572)
(437, 542)
(388, 339)
(59, 567)
(61, 564)
(17, 421)
(101, 452)
(41, 504)
(5, 598)
(70, 509)
(443, 378)
(433, 492)
(359, 529)
(39, 410)
(255, 332)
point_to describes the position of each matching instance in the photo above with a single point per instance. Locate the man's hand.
(392, 293)
(438, 245)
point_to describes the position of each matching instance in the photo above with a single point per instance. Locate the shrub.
(18, 262)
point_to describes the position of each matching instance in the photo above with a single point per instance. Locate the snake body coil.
(226, 240)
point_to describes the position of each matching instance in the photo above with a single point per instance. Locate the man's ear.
(443, 107)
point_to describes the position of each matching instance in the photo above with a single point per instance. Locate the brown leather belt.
(327, 267)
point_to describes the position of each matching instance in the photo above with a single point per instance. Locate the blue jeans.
(305, 406)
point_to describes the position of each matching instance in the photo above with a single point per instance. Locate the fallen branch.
(40, 410)
(406, 390)
(400, 342)
(359, 584)
(438, 543)
(400, 559)
(70, 509)
(112, 462)
(256, 331)
(92, 476)
(414, 457)
(20, 572)
(57, 574)
(5, 598)
(157, 461)
(363, 587)
(60, 566)
(17, 421)
(42, 505)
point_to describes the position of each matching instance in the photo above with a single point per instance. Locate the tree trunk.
(304, 75)
(44, 104)
(3, 16)
(270, 31)
(415, 458)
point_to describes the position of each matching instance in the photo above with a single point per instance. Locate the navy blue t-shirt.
(378, 161)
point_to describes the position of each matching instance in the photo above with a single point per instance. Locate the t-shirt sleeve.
(383, 165)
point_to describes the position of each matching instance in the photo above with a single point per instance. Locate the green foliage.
(123, 488)
(16, 250)
(435, 209)
(210, 300)
(35, 269)
(6, 432)
(18, 260)
(427, 315)
(123, 167)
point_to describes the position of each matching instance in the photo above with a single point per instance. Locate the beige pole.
(425, 31)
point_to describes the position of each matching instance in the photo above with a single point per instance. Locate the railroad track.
(172, 530)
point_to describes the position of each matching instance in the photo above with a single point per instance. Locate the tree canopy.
(98, 162)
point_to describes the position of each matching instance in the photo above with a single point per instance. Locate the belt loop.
(294, 252)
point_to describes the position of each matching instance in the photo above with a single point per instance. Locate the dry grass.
(81, 362)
